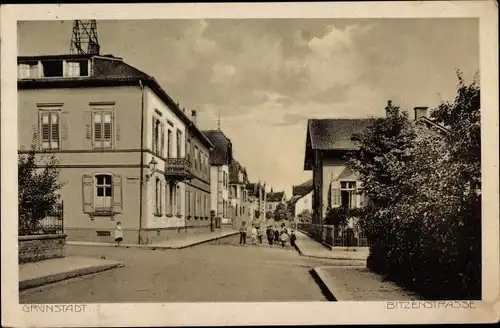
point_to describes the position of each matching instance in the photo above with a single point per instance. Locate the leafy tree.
(386, 146)
(280, 213)
(290, 208)
(424, 215)
(38, 183)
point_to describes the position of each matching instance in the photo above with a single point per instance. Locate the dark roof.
(332, 134)
(109, 71)
(254, 189)
(303, 189)
(222, 152)
(63, 56)
(430, 123)
(234, 170)
(329, 134)
(275, 196)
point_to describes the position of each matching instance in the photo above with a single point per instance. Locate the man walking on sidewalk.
(243, 234)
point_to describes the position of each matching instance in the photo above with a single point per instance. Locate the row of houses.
(127, 151)
(333, 184)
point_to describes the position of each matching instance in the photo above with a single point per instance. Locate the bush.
(37, 187)
(427, 235)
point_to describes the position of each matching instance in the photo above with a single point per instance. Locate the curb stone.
(331, 292)
(40, 281)
(151, 246)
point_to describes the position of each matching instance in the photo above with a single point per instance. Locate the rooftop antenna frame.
(84, 39)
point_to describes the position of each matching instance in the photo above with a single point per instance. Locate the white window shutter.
(335, 197)
(87, 118)
(88, 193)
(64, 127)
(117, 194)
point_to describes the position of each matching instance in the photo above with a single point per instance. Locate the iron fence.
(341, 237)
(53, 223)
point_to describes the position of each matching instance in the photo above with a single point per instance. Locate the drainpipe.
(142, 163)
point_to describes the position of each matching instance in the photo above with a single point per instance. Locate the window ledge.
(103, 213)
(168, 215)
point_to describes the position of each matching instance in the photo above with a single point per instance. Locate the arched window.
(104, 192)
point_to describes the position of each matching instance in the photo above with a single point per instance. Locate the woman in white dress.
(118, 233)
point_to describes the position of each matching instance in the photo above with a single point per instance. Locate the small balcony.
(178, 169)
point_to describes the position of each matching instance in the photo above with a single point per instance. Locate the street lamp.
(152, 168)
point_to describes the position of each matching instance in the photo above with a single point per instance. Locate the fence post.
(62, 216)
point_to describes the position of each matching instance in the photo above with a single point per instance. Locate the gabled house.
(256, 200)
(274, 198)
(220, 159)
(120, 141)
(328, 141)
(302, 198)
(238, 194)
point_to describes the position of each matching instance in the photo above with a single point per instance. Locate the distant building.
(273, 199)
(238, 194)
(220, 159)
(302, 198)
(257, 200)
(121, 145)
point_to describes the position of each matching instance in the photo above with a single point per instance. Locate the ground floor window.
(102, 194)
(348, 194)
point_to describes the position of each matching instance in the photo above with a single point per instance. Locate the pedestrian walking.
(243, 234)
(254, 235)
(270, 235)
(118, 233)
(260, 233)
(293, 237)
(276, 235)
(283, 238)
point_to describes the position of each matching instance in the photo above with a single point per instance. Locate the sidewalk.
(49, 271)
(176, 243)
(359, 284)
(311, 248)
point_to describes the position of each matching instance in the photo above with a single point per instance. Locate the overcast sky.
(266, 77)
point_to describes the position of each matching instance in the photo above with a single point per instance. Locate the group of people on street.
(273, 234)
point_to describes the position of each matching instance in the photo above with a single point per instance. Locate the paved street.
(209, 272)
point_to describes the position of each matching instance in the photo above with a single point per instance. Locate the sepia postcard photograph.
(249, 164)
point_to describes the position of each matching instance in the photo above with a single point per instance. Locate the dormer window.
(29, 70)
(52, 68)
(75, 68)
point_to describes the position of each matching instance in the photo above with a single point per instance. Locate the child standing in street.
(283, 238)
(243, 234)
(293, 237)
(276, 235)
(254, 235)
(118, 233)
(260, 233)
(270, 235)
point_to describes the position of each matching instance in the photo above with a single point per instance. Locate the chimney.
(420, 112)
(389, 105)
(193, 116)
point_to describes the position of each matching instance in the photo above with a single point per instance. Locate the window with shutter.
(169, 144)
(178, 200)
(103, 201)
(117, 194)
(103, 129)
(50, 129)
(179, 142)
(88, 193)
(162, 139)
